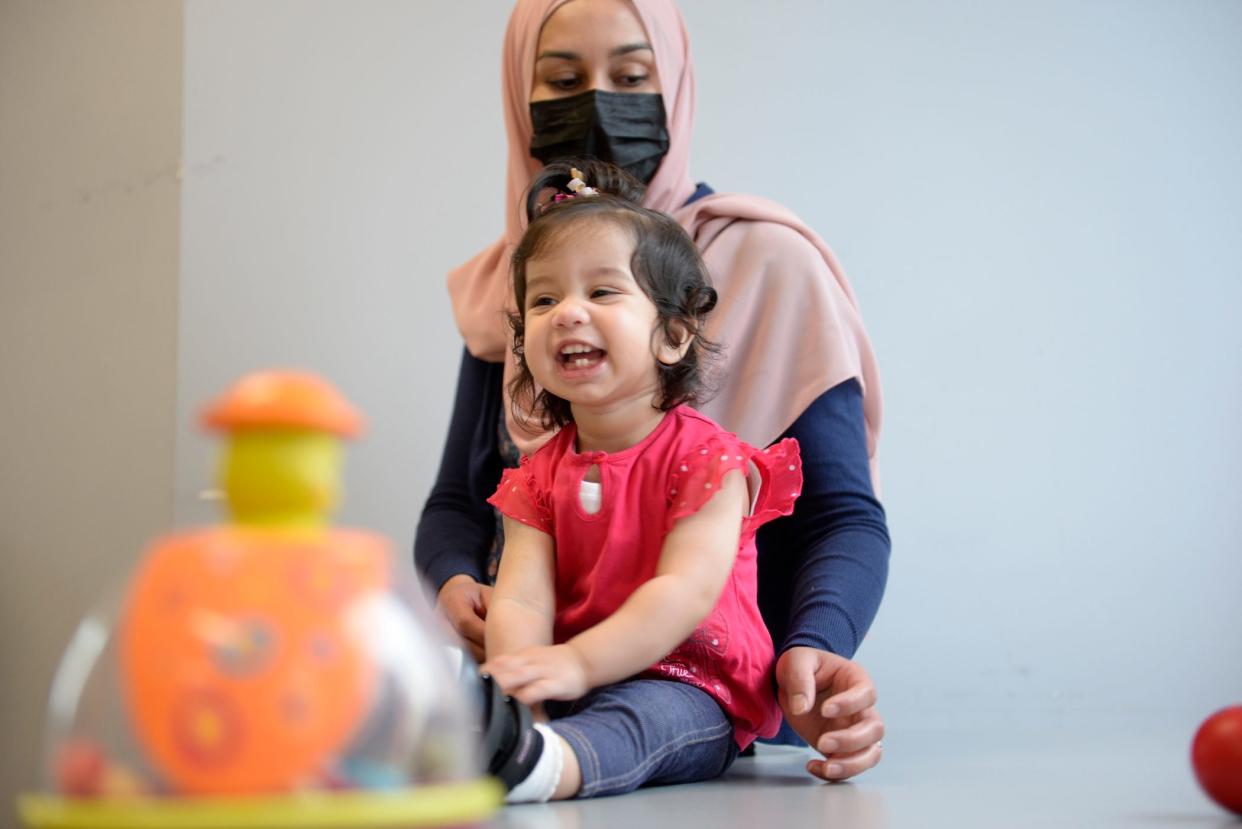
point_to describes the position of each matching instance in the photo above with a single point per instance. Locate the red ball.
(80, 768)
(1216, 755)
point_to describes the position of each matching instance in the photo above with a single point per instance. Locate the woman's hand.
(464, 602)
(536, 674)
(830, 701)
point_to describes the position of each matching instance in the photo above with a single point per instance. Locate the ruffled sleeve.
(520, 498)
(780, 473)
(697, 476)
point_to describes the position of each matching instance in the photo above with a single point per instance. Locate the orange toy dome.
(241, 671)
(292, 399)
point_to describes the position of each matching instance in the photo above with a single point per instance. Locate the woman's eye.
(563, 83)
(632, 80)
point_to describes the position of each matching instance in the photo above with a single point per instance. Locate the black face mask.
(623, 128)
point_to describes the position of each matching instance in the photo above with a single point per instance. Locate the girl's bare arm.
(695, 563)
(523, 604)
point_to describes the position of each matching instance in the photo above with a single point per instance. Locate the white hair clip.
(578, 186)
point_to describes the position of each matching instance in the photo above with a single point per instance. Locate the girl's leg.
(528, 757)
(571, 773)
(613, 740)
(640, 732)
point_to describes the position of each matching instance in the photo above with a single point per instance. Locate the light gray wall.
(90, 138)
(1039, 208)
(340, 158)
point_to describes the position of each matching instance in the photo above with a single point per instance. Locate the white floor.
(1123, 775)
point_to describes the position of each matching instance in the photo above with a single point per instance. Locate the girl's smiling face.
(591, 330)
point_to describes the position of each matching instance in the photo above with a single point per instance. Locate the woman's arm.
(457, 525)
(822, 570)
(523, 606)
(695, 562)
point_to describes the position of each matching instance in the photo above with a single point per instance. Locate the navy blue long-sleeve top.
(822, 569)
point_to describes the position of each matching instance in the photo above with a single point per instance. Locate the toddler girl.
(625, 604)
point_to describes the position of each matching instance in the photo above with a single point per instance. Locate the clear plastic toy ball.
(272, 671)
(242, 685)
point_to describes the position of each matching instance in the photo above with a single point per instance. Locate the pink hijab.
(787, 317)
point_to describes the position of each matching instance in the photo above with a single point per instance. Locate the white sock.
(541, 783)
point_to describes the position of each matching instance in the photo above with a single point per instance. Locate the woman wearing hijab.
(614, 79)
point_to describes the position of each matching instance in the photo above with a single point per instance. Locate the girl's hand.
(536, 674)
(830, 702)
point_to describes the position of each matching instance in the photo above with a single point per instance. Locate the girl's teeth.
(581, 361)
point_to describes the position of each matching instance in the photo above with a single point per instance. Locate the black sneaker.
(511, 744)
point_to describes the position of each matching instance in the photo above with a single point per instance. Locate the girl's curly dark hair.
(665, 263)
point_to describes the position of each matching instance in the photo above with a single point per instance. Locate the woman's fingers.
(470, 627)
(475, 649)
(845, 766)
(866, 731)
(856, 698)
(464, 604)
(471, 630)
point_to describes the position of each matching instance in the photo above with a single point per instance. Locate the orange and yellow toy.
(270, 671)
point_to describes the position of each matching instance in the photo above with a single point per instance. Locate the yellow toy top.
(281, 468)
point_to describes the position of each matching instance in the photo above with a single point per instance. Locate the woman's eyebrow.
(618, 52)
(630, 47)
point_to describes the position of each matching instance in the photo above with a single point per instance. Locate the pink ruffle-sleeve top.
(604, 556)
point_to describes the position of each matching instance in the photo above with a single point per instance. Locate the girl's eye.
(602, 292)
(541, 301)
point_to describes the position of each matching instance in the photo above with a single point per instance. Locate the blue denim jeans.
(644, 732)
